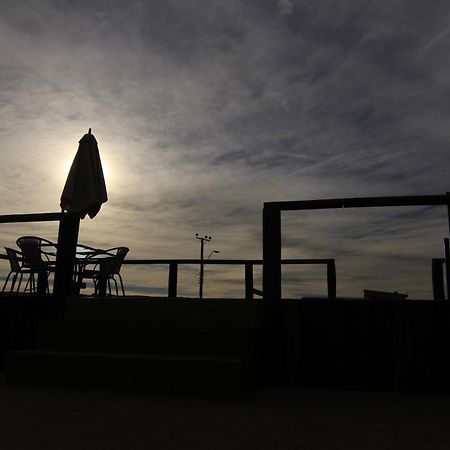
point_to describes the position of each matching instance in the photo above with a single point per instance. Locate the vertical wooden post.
(271, 255)
(331, 280)
(447, 194)
(173, 279)
(447, 265)
(273, 363)
(248, 281)
(438, 279)
(69, 226)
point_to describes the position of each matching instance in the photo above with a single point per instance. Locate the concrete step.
(131, 372)
(142, 337)
(180, 312)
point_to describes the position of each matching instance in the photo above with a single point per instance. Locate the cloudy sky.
(205, 109)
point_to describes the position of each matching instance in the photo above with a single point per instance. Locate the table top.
(83, 253)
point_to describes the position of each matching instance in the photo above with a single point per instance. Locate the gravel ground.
(270, 418)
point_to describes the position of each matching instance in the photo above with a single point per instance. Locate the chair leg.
(115, 285)
(33, 284)
(47, 274)
(13, 283)
(20, 282)
(29, 282)
(6, 281)
(121, 284)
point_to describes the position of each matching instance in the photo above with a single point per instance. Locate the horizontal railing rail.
(225, 261)
(36, 217)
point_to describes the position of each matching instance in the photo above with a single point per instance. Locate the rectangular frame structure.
(272, 229)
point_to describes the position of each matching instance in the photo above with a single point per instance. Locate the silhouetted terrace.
(332, 342)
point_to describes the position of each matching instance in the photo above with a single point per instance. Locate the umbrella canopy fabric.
(85, 189)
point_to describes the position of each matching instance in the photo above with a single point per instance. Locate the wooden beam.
(447, 265)
(274, 363)
(448, 211)
(362, 202)
(242, 262)
(271, 254)
(37, 217)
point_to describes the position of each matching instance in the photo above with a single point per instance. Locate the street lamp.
(214, 251)
(202, 261)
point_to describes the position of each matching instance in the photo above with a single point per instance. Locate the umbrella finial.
(89, 132)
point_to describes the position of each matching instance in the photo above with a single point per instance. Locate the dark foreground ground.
(270, 418)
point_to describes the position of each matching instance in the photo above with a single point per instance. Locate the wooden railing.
(65, 258)
(248, 265)
(69, 227)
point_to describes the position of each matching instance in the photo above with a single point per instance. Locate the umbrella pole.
(69, 226)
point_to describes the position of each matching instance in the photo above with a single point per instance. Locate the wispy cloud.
(286, 7)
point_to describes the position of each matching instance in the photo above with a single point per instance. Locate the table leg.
(101, 286)
(42, 283)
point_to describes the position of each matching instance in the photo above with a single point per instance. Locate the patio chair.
(107, 265)
(33, 250)
(16, 270)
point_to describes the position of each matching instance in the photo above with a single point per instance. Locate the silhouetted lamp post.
(214, 251)
(202, 262)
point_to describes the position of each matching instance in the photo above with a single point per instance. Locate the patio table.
(84, 256)
(87, 256)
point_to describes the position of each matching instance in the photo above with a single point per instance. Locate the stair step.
(177, 312)
(135, 372)
(132, 337)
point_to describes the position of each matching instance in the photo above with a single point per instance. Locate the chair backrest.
(31, 251)
(112, 265)
(13, 259)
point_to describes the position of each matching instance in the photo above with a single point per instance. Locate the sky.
(204, 110)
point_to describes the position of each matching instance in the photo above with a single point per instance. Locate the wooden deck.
(387, 345)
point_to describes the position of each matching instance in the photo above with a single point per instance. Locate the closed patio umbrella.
(85, 189)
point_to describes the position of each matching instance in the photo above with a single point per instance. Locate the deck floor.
(270, 418)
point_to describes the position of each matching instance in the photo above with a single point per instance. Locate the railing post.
(447, 194)
(438, 278)
(271, 255)
(69, 226)
(173, 279)
(331, 280)
(447, 265)
(274, 364)
(248, 281)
